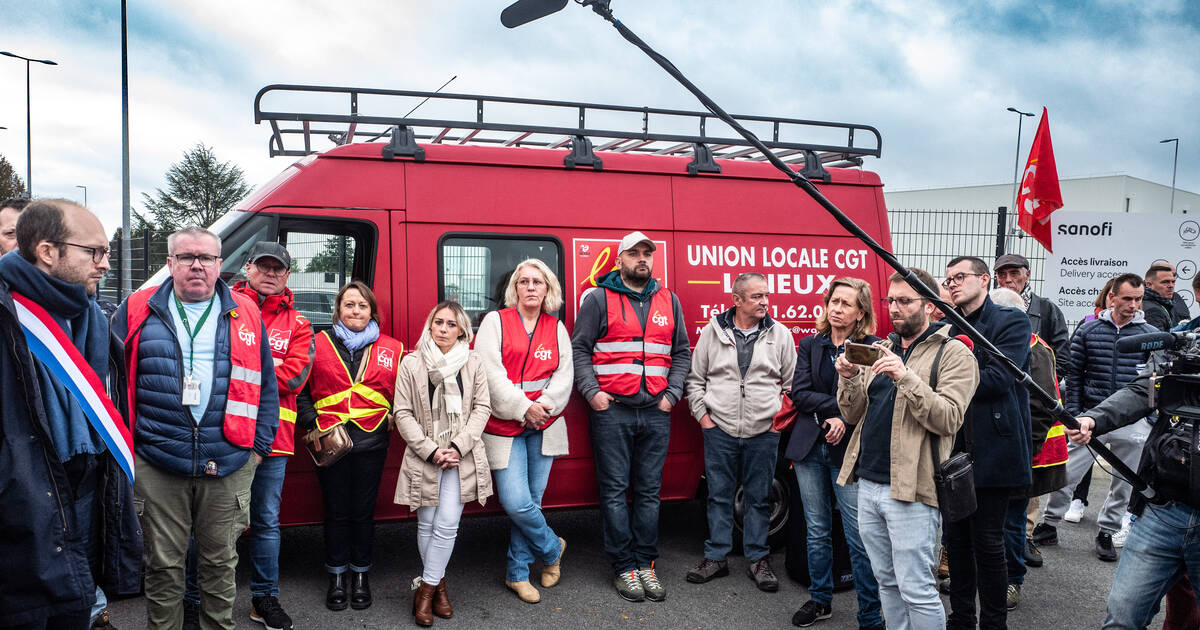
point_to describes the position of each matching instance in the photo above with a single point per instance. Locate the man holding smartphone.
(896, 414)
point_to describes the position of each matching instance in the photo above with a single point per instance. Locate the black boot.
(360, 591)
(335, 599)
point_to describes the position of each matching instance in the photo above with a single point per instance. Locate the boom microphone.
(1151, 341)
(523, 11)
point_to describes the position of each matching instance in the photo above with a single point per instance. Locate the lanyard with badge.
(191, 385)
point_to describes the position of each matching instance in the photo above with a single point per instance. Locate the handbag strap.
(933, 383)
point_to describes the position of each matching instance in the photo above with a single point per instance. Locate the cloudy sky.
(933, 77)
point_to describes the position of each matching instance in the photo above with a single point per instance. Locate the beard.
(81, 275)
(910, 326)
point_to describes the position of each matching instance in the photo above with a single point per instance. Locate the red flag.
(1039, 194)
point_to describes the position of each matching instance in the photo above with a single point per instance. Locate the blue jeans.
(817, 477)
(629, 447)
(1161, 546)
(520, 486)
(265, 492)
(1014, 539)
(722, 455)
(900, 537)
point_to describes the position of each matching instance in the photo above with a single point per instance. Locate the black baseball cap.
(270, 249)
(1011, 260)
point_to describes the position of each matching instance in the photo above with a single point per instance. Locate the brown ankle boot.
(441, 601)
(423, 604)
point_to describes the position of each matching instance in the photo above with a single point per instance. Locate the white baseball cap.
(633, 238)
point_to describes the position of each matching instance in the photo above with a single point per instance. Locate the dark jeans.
(349, 489)
(1014, 539)
(977, 563)
(629, 447)
(728, 460)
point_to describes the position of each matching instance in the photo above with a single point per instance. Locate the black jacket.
(1162, 313)
(998, 418)
(814, 391)
(1126, 406)
(1049, 323)
(43, 568)
(1097, 369)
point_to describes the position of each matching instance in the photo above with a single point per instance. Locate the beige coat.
(510, 403)
(919, 412)
(417, 485)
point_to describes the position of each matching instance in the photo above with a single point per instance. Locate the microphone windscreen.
(1146, 343)
(967, 340)
(523, 11)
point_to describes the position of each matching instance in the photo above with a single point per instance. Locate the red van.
(424, 209)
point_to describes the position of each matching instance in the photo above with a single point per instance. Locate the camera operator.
(1160, 548)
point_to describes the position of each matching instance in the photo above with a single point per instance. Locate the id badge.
(191, 391)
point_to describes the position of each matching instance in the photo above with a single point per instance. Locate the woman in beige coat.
(441, 407)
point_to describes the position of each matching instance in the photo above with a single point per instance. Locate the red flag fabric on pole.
(1039, 194)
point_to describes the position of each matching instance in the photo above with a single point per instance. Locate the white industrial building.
(1109, 193)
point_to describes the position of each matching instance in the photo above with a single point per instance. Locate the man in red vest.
(205, 406)
(290, 337)
(631, 357)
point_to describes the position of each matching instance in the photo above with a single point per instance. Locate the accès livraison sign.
(1091, 247)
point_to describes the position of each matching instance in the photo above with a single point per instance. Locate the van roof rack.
(505, 121)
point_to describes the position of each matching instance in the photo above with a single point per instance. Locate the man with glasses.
(202, 387)
(65, 444)
(10, 209)
(997, 432)
(742, 364)
(898, 409)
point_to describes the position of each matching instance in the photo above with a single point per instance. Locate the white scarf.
(443, 369)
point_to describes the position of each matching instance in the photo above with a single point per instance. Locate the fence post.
(116, 254)
(145, 254)
(1001, 229)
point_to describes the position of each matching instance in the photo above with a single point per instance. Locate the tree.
(333, 258)
(199, 190)
(10, 183)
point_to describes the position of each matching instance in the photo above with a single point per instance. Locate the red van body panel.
(709, 228)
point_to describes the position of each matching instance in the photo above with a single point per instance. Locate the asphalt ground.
(1069, 592)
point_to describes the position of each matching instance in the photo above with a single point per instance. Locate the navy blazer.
(814, 391)
(998, 417)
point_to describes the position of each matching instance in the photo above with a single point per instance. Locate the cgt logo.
(279, 338)
(247, 336)
(659, 319)
(386, 358)
(542, 353)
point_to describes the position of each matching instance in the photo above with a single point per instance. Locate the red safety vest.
(1054, 449)
(529, 361)
(338, 398)
(628, 352)
(245, 375)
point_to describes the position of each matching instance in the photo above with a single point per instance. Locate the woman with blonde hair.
(441, 408)
(526, 352)
(817, 446)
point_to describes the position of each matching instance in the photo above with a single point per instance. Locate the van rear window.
(474, 268)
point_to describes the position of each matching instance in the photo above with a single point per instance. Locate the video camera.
(1175, 393)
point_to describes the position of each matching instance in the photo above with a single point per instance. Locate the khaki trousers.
(217, 510)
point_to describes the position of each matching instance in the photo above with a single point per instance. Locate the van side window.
(474, 268)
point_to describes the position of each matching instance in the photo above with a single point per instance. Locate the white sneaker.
(1119, 537)
(1075, 512)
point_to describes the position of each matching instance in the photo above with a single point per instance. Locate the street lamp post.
(28, 119)
(84, 194)
(1173, 166)
(1017, 160)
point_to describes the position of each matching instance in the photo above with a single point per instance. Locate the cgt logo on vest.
(279, 338)
(386, 358)
(542, 353)
(247, 337)
(659, 318)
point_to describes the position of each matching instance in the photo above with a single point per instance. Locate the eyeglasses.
(206, 260)
(268, 270)
(98, 253)
(902, 301)
(957, 279)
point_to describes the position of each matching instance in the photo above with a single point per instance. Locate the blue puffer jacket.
(165, 434)
(1097, 369)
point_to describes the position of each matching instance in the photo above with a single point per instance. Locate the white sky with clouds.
(933, 77)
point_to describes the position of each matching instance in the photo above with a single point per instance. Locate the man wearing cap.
(290, 337)
(1048, 322)
(631, 358)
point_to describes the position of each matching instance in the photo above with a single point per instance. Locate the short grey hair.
(193, 230)
(739, 284)
(1007, 297)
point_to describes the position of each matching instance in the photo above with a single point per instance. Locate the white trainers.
(1119, 537)
(1075, 512)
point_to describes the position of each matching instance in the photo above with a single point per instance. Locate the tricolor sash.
(50, 345)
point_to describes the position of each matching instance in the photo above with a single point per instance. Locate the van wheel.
(780, 500)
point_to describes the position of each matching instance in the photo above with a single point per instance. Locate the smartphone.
(861, 353)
